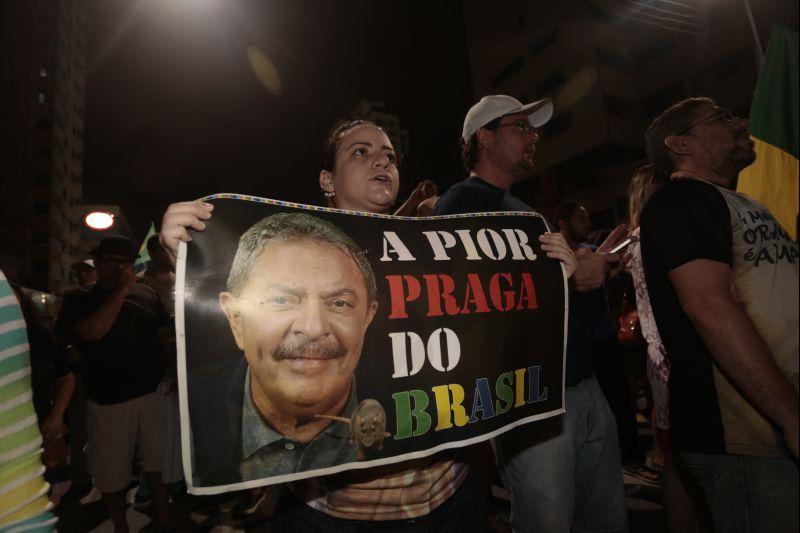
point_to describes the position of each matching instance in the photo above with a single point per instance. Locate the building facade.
(42, 133)
(610, 67)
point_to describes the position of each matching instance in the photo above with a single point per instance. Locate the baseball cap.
(115, 245)
(499, 105)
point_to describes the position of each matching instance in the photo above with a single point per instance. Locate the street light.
(99, 220)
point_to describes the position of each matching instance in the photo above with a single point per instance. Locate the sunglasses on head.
(721, 116)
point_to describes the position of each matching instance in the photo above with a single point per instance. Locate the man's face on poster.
(300, 320)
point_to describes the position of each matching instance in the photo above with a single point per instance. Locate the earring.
(329, 194)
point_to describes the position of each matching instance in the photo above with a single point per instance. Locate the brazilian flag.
(144, 256)
(774, 119)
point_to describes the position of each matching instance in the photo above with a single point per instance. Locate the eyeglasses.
(523, 127)
(721, 115)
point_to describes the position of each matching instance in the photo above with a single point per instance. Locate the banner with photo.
(313, 341)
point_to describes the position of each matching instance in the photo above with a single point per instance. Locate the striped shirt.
(396, 492)
(23, 492)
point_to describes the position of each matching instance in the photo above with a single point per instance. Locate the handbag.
(630, 330)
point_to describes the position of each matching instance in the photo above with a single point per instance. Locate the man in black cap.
(118, 325)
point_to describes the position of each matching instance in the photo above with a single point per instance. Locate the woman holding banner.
(432, 494)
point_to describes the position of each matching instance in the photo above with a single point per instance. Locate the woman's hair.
(644, 183)
(334, 137)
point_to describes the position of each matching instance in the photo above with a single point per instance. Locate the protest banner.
(313, 341)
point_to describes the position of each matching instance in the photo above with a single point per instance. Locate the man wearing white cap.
(498, 143)
(564, 474)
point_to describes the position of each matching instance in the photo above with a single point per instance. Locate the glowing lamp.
(99, 220)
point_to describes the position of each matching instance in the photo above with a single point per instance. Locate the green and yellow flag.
(144, 256)
(774, 118)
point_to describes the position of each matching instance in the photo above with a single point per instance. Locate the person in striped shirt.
(24, 505)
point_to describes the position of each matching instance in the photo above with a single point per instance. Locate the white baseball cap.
(499, 105)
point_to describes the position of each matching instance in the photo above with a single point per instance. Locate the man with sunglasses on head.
(564, 474)
(723, 281)
(120, 326)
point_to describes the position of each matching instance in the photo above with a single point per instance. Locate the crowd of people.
(716, 318)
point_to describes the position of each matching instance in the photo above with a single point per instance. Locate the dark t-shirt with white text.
(690, 219)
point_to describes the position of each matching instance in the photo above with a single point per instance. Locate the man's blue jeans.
(745, 493)
(565, 474)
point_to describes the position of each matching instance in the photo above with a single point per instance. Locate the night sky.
(175, 112)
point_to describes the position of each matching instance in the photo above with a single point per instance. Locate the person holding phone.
(593, 349)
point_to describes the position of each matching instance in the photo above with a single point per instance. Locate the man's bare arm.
(703, 288)
(592, 270)
(54, 421)
(96, 324)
